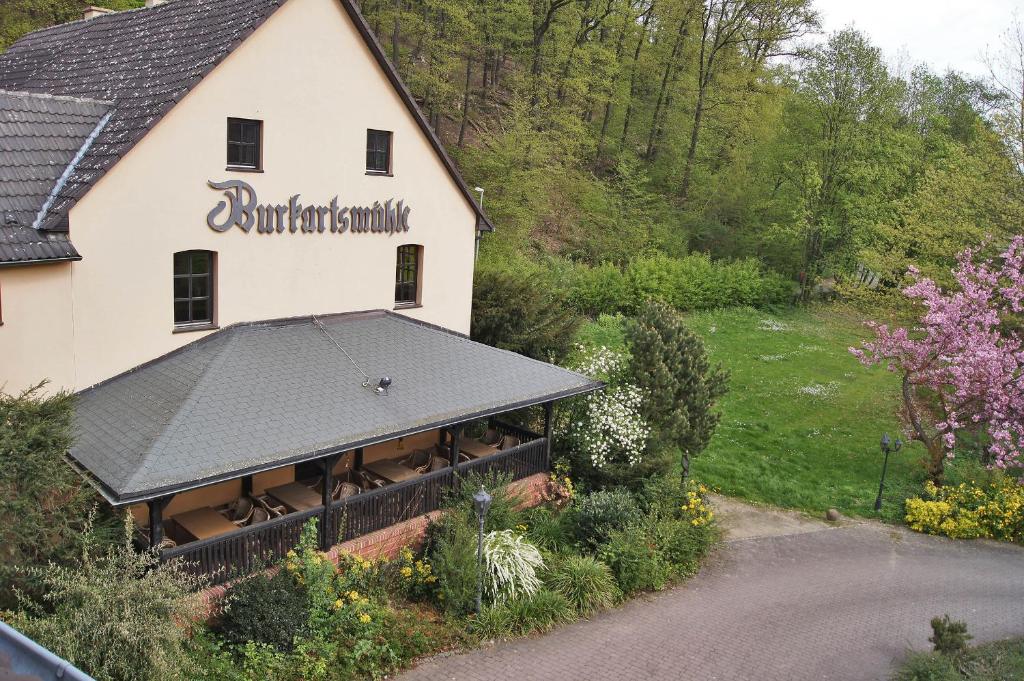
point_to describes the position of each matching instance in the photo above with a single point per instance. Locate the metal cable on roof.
(319, 324)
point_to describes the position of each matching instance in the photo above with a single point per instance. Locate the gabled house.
(228, 227)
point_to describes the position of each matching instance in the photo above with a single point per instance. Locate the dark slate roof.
(145, 61)
(21, 245)
(40, 137)
(261, 395)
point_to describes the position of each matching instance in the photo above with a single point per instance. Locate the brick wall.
(388, 542)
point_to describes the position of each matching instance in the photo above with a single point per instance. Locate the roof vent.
(154, 3)
(91, 12)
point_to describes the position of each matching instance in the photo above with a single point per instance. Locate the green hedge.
(695, 282)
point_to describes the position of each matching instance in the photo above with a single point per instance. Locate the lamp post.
(887, 446)
(481, 502)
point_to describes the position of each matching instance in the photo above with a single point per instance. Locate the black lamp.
(481, 502)
(887, 446)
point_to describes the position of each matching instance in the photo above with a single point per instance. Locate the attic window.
(378, 152)
(245, 144)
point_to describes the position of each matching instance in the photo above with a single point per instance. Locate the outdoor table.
(391, 470)
(203, 523)
(295, 496)
(476, 449)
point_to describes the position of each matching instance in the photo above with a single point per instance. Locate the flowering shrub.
(695, 508)
(414, 578)
(559, 490)
(995, 511)
(607, 426)
(511, 563)
(965, 358)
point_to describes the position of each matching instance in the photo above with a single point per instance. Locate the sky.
(943, 33)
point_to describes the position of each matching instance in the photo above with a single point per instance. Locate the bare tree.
(1006, 70)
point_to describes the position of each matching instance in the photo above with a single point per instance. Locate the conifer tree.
(671, 367)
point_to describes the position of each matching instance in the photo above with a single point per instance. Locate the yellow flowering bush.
(970, 511)
(415, 577)
(695, 508)
(560, 489)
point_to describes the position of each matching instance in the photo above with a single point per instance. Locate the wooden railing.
(229, 555)
(518, 462)
(368, 512)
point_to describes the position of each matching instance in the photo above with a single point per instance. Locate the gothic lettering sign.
(242, 209)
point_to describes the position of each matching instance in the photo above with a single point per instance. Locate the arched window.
(193, 288)
(408, 275)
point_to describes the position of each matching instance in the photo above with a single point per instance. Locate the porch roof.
(260, 395)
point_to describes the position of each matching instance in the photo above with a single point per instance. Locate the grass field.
(802, 420)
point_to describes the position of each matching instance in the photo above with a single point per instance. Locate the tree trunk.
(691, 153)
(465, 101)
(396, 33)
(936, 458)
(633, 76)
(665, 80)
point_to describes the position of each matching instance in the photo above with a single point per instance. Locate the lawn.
(802, 421)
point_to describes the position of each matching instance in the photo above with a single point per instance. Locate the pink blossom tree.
(963, 365)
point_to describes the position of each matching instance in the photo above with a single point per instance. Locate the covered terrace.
(226, 447)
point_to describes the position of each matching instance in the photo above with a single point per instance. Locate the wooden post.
(357, 465)
(246, 485)
(156, 520)
(549, 413)
(456, 432)
(328, 535)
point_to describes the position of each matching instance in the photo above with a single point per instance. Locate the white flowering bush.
(607, 426)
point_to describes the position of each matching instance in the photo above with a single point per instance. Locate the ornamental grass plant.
(586, 582)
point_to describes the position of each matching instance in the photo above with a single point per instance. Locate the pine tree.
(670, 365)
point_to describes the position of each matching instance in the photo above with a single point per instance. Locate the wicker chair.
(259, 515)
(347, 489)
(240, 511)
(419, 460)
(270, 505)
(510, 441)
(492, 437)
(370, 481)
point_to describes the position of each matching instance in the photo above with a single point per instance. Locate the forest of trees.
(602, 129)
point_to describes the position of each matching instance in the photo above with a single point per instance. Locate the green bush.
(681, 544)
(540, 612)
(452, 549)
(45, 506)
(635, 561)
(599, 514)
(696, 282)
(551, 531)
(271, 610)
(949, 637)
(599, 290)
(663, 495)
(523, 314)
(116, 613)
(587, 583)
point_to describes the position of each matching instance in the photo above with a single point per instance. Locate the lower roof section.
(261, 395)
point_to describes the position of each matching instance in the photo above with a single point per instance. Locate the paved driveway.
(838, 603)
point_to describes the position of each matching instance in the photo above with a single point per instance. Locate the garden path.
(838, 603)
